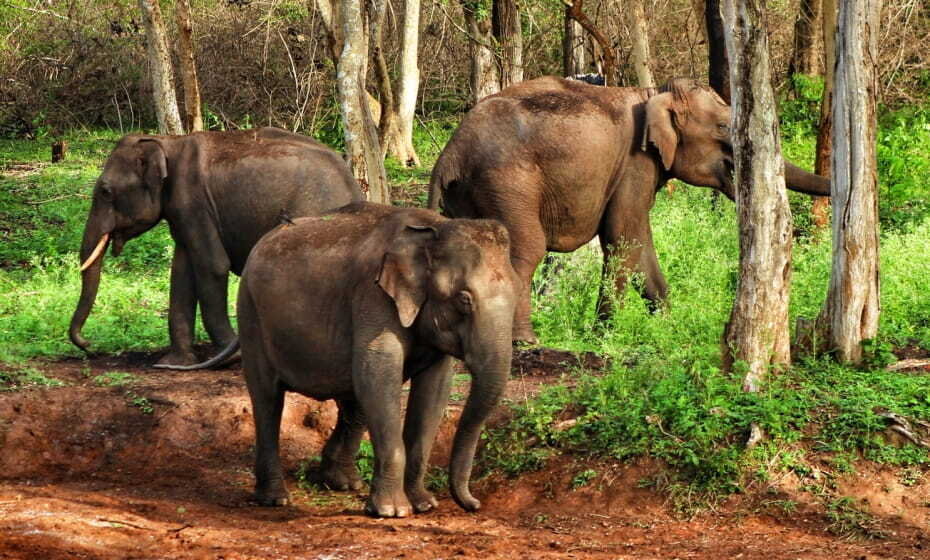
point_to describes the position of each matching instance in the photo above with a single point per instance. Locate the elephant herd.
(346, 300)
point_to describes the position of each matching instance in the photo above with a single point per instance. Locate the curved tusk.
(101, 246)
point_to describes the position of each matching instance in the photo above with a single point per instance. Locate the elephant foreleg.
(211, 276)
(338, 469)
(623, 238)
(429, 394)
(654, 288)
(377, 378)
(182, 305)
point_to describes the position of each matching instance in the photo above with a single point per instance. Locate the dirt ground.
(161, 468)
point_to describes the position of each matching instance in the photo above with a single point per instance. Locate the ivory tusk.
(101, 245)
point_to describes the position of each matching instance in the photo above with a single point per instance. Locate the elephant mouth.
(725, 176)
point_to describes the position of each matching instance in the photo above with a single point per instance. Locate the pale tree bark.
(388, 119)
(636, 19)
(166, 103)
(850, 313)
(509, 35)
(399, 138)
(805, 58)
(757, 332)
(192, 117)
(825, 133)
(718, 63)
(485, 80)
(362, 147)
(573, 58)
(576, 9)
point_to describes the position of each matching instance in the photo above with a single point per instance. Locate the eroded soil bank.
(161, 468)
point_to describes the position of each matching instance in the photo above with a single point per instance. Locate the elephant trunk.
(93, 247)
(802, 181)
(489, 378)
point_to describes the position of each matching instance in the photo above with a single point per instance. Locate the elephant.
(559, 162)
(350, 305)
(219, 192)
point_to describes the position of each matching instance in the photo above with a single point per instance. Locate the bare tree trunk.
(166, 104)
(718, 64)
(192, 119)
(573, 59)
(509, 35)
(484, 77)
(361, 135)
(576, 9)
(806, 56)
(640, 55)
(400, 142)
(850, 313)
(388, 125)
(825, 133)
(757, 332)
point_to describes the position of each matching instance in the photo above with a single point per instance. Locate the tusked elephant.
(559, 161)
(350, 305)
(219, 192)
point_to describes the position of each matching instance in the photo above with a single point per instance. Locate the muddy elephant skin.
(219, 192)
(350, 305)
(559, 162)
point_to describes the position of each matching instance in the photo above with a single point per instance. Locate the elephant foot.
(524, 336)
(271, 498)
(177, 358)
(388, 504)
(341, 478)
(422, 499)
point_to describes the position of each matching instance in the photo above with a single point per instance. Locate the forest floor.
(126, 461)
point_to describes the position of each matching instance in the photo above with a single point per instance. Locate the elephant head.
(689, 126)
(127, 202)
(453, 283)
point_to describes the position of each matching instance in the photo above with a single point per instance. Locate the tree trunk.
(388, 125)
(484, 77)
(400, 140)
(757, 332)
(576, 9)
(573, 59)
(166, 104)
(361, 135)
(825, 133)
(640, 54)
(718, 64)
(509, 35)
(192, 119)
(806, 56)
(850, 314)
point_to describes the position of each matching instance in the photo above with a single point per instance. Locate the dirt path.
(161, 468)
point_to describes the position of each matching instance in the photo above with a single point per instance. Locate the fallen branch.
(126, 523)
(902, 425)
(908, 364)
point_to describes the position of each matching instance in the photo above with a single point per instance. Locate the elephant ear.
(154, 164)
(405, 269)
(659, 128)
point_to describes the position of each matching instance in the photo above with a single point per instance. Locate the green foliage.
(583, 478)
(848, 520)
(114, 379)
(21, 378)
(141, 402)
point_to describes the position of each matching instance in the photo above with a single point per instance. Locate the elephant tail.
(445, 173)
(224, 355)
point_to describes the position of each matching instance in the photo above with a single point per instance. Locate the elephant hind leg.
(338, 470)
(624, 237)
(182, 307)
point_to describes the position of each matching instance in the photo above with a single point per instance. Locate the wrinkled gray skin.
(219, 192)
(349, 306)
(559, 162)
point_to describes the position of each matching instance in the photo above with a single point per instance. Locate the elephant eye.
(724, 128)
(106, 193)
(464, 300)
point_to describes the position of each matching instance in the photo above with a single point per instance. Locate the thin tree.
(805, 58)
(166, 103)
(639, 56)
(718, 64)
(192, 117)
(576, 10)
(361, 136)
(485, 79)
(757, 332)
(850, 313)
(388, 125)
(509, 36)
(400, 145)
(573, 56)
(825, 133)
